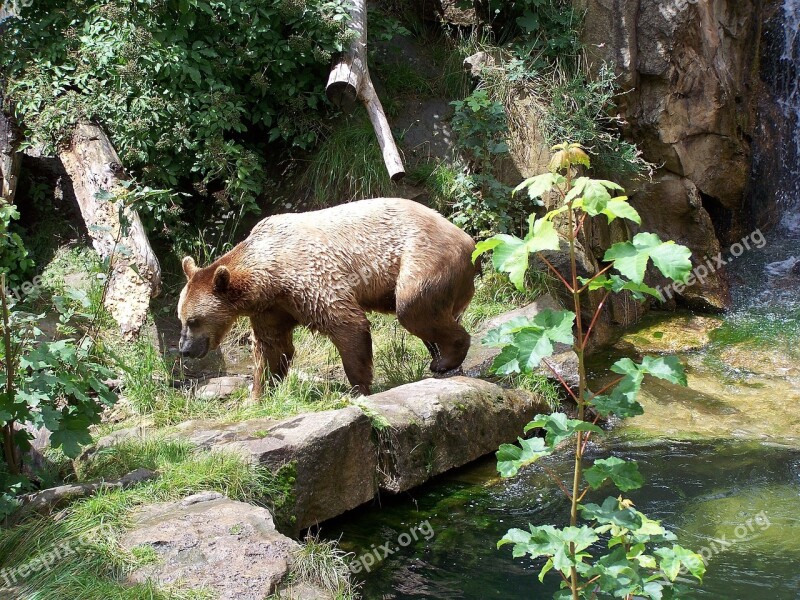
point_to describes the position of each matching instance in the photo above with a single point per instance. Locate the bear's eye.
(192, 322)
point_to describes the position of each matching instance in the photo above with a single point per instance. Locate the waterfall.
(786, 88)
(773, 196)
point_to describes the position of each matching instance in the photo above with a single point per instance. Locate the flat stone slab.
(208, 542)
(479, 358)
(434, 425)
(334, 457)
(392, 441)
(221, 387)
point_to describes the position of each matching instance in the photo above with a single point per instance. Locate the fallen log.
(116, 230)
(10, 159)
(350, 80)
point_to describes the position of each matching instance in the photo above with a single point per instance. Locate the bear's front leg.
(354, 343)
(273, 349)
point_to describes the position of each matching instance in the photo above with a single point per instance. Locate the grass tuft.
(348, 165)
(323, 563)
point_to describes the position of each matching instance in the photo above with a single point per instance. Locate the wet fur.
(324, 270)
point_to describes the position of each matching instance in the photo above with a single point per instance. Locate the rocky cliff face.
(686, 67)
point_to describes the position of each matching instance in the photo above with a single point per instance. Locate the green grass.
(439, 179)
(128, 455)
(399, 357)
(348, 165)
(94, 562)
(495, 294)
(324, 564)
(540, 385)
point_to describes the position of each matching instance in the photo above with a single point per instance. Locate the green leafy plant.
(481, 201)
(641, 558)
(189, 91)
(57, 384)
(15, 262)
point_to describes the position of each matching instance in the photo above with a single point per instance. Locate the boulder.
(669, 334)
(208, 542)
(672, 206)
(434, 425)
(220, 387)
(686, 68)
(332, 454)
(480, 357)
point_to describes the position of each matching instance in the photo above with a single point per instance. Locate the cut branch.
(349, 81)
(116, 230)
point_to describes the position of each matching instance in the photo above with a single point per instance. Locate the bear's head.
(205, 308)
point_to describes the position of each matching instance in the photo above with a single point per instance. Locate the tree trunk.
(349, 80)
(9, 157)
(116, 231)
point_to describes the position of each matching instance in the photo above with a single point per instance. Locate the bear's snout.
(191, 347)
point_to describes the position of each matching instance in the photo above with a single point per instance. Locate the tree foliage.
(189, 91)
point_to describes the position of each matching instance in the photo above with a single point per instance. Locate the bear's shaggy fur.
(324, 270)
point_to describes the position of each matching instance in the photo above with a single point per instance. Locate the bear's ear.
(188, 266)
(222, 279)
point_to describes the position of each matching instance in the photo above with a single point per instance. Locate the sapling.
(608, 549)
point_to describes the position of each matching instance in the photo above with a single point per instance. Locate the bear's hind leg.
(273, 349)
(354, 343)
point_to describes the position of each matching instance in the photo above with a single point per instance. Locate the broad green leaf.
(628, 260)
(631, 258)
(546, 540)
(615, 283)
(558, 323)
(668, 368)
(504, 333)
(595, 198)
(532, 346)
(542, 236)
(70, 440)
(507, 362)
(511, 458)
(673, 559)
(616, 574)
(624, 474)
(511, 256)
(620, 208)
(622, 399)
(484, 246)
(619, 405)
(528, 341)
(539, 185)
(559, 427)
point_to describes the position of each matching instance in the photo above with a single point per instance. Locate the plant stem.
(8, 428)
(579, 350)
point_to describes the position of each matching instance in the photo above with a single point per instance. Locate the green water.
(706, 493)
(721, 460)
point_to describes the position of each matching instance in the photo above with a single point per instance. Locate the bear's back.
(355, 252)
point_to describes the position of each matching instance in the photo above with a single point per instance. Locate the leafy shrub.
(547, 30)
(580, 108)
(14, 259)
(57, 384)
(481, 201)
(190, 91)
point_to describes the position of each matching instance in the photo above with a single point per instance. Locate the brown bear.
(324, 270)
